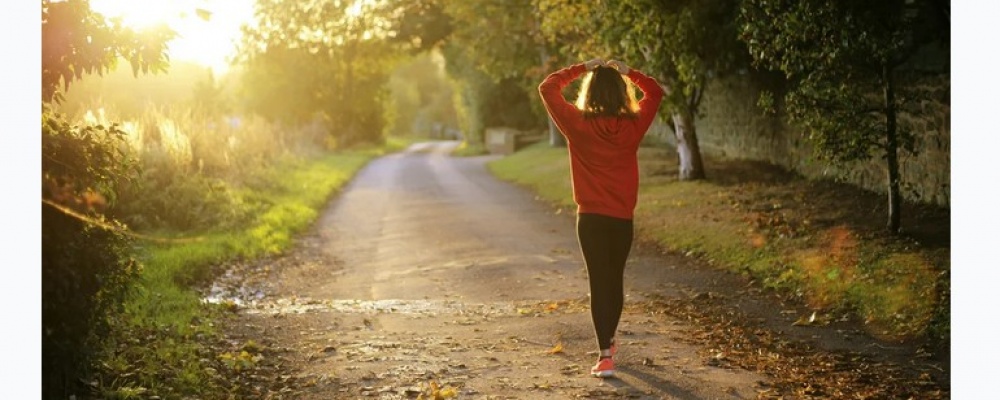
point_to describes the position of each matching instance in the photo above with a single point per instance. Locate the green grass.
(160, 347)
(543, 169)
(894, 287)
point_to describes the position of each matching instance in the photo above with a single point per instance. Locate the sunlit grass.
(166, 306)
(891, 287)
(545, 170)
(294, 192)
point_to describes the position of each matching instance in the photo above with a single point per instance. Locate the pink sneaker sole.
(605, 368)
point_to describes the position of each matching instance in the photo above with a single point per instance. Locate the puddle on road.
(398, 306)
(234, 288)
(394, 306)
(252, 296)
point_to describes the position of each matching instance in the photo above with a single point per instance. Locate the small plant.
(240, 361)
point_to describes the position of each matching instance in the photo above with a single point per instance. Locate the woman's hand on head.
(618, 66)
(594, 63)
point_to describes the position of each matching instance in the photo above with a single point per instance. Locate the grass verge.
(819, 242)
(164, 345)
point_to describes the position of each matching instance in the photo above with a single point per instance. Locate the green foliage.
(421, 25)
(840, 57)
(420, 98)
(79, 162)
(497, 82)
(311, 61)
(87, 267)
(175, 202)
(148, 358)
(848, 63)
(470, 94)
(835, 54)
(164, 342)
(77, 41)
(573, 29)
(503, 34)
(481, 101)
(189, 163)
(682, 44)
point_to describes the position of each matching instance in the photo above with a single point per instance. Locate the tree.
(494, 52)
(421, 98)
(77, 41)
(87, 265)
(683, 44)
(308, 60)
(845, 60)
(507, 46)
(422, 25)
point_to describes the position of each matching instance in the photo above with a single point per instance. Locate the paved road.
(427, 269)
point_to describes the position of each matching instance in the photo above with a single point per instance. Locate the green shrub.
(87, 267)
(165, 200)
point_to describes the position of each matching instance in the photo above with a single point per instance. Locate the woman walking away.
(603, 131)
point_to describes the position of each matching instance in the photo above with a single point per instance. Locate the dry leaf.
(812, 320)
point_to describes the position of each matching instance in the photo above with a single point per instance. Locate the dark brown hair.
(605, 93)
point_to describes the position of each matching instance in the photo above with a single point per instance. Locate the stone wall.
(732, 126)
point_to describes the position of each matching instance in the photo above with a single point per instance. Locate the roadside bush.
(164, 200)
(190, 164)
(87, 267)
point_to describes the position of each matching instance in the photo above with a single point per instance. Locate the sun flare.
(136, 14)
(207, 30)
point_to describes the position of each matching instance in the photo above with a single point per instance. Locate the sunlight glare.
(209, 42)
(136, 14)
(357, 7)
(354, 10)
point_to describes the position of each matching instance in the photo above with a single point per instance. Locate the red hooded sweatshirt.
(602, 150)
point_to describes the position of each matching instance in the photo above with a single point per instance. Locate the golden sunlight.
(207, 30)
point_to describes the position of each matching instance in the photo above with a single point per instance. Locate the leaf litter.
(797, 369)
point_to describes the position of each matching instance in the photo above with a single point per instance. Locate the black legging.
(605, 242)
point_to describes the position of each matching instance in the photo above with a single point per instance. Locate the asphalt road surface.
(426, 268)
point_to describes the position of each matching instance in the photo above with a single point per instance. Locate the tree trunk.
(556, 139)
(691, 167)
(891, 151)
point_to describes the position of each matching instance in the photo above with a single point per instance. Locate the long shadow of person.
(626, 373)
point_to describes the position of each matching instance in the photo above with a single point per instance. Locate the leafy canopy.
(839, 56)
(78, 41)
(681, 43)
(320, 59)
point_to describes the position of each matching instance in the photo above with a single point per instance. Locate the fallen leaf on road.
(435, 392)
(810, 321)
(558, 348)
